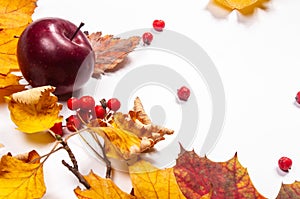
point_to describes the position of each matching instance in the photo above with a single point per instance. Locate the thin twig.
(77, 174)
(74, 169)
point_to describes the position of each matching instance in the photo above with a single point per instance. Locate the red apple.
(50, 51)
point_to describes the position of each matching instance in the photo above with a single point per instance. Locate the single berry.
(57, 128)
(113, 104)
(87, 103)
(285, 163)
(183, 93)
(83, 115)
(158, 25)
(73, 103)
(298, 97)
(73, 123)
(147, 38)
(100, 111)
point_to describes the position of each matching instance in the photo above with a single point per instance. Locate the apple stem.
(75, 33)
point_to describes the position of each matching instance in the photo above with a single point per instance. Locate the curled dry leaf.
(9, 84)
(21, 177)
(151, 182)
(34, 110)
(222, 179)
(15, 15)
(101, 188)
(110, 51)
(131, 134)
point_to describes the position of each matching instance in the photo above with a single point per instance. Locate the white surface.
(257, 57)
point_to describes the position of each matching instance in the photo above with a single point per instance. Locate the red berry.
(73, 103)
(147, 38)
(100, 111)
(113, 104)
(73, 123)
(158, 25)
(285, 163)
(57, 128)
(298, 97)
(183, 93)
(87, 102)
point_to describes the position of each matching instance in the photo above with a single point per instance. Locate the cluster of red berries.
(86, 110)
(158, 25)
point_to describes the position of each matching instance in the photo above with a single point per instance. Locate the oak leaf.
(151, 182)
(110, 51)
(15, 15)
(101, 188)
(34, 110)
(131, 134)
(21, 177)
(9, 84)
(197, 176)
(289, 191)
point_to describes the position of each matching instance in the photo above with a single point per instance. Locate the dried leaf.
(151, 182)
(15, 15)
(131, 134)
(289, 191)
(101, 188)
(110, 51)
(228, 179)
(34, 110)
(21, 177)
(1, 145)
(9, 84)
(245, 6)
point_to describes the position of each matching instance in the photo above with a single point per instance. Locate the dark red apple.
(50, 51)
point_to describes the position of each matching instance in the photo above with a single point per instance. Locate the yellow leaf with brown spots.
(34, 110)
(9, 84)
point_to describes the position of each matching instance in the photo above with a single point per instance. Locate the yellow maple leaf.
(101, 188)
(9, 84)
(151, 182)
(21, 177)
(15, 15)
(130, 134)
(34, 110)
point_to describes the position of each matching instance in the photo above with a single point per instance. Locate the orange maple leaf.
(196, 177)
(289, 191)
(15, 15)
(110, 51)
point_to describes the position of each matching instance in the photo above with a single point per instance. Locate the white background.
(257, 57)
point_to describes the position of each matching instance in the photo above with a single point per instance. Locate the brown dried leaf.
(110, 51)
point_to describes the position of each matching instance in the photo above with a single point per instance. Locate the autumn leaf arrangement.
(119, 135)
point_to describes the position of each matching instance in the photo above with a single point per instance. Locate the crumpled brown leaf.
(15, 15)
(21, 177)
(101, 188)
(110, 51)
(130, 134)
(34, 110)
